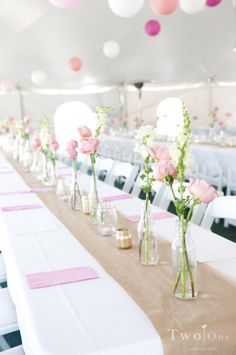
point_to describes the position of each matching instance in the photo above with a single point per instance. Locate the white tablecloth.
(95, 317)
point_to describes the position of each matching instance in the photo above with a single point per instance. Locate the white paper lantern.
(192, 6)
(68, 117)
(125, 8)
(38, 77)
(111, 49)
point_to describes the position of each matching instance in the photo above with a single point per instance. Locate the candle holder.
(124, 238)
(85, 203)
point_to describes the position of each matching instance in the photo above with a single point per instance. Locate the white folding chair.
(231, 189)
(158, 188)
(104, 167)
(8, 320)
(167, 197)
(221, 207)
(3, 274)
(18, 350)
(126, 172)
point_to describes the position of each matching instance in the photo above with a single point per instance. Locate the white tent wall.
(196, 99)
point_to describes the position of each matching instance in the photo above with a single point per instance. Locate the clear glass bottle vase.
(27, 158)
(45, 170)
(93, 200)
(75, 197)
(184, 263)
(148, 247)
(53, 173)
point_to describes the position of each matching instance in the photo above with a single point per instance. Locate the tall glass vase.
(27, 156)
(148, 248)
(184, 262)
(75, 198)
(35, 163)
(53, 173)
(93, 194)
(45, 170)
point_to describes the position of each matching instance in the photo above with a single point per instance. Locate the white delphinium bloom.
(142, 150)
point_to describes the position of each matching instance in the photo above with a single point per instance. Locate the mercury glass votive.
(124, 238)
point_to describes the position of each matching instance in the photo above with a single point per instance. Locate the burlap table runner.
(204, 326)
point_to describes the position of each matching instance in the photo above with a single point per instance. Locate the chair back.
(221, 207)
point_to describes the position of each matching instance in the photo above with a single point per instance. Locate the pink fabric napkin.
(60, 277)
(156, 215)
(7, 172)
(20, 207)
(116, 198)
(14, 192)
(41, 189)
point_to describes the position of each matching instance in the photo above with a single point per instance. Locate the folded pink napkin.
(116, 198)
(7, 172)
(14, 192)
(41, 189)
(156, 215)
(20, 207)
(59, 277)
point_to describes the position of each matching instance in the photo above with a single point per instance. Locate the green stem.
(146, 221)
(92, 159)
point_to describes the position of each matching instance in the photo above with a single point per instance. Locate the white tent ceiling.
(190, 48)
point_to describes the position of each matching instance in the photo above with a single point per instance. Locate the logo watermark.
(200, 340)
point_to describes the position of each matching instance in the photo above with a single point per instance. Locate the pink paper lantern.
(212, 3)
(164, 7)
(152, 27)
(65, 4)
(7, 85)
(75, 64)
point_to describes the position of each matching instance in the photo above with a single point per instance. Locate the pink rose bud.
(71, 153)
(201, 189)
(72, 144)
(9, 119)
(163, 169)
(88, 146)
(26, 119)
(84, 132)
(28, 130)
(54, 145)
(36, 143)
(4, 130)
(159, 153)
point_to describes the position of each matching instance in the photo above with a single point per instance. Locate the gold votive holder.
(85, 203)
(124, 238)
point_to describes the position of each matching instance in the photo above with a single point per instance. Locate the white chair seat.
(18, 350)
(8, 320)
(3, 274)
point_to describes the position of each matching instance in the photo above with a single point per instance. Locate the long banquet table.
(130, 309)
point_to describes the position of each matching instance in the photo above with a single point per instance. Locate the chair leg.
(4, 344)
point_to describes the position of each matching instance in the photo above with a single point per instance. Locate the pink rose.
(71, 152)
(9, 119)
(4, 129)
(72, 144)
(201, 189)
(54, 145)
(159, 153)
(163, 169)
(85, 132)
(26, 119)
(28, 130)
(36, 143)
(88, 146)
